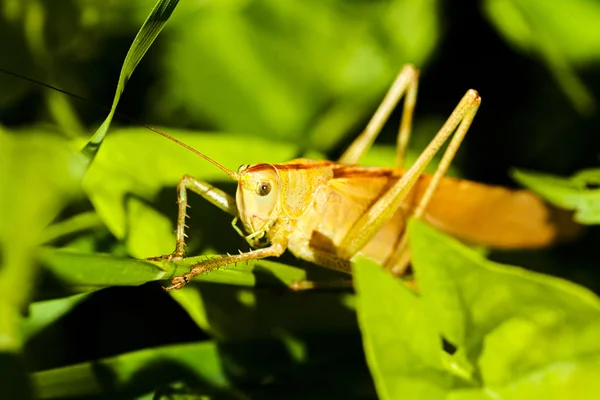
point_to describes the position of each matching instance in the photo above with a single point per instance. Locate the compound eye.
(264, 188)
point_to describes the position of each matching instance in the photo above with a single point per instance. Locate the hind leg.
(406, 83)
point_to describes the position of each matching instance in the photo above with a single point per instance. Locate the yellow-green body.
(314, 204)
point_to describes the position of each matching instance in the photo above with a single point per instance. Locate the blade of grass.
(142, 42)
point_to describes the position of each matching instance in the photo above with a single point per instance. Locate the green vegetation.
(246, 81)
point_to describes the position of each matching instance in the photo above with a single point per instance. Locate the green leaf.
(526, 332)
(570, 379)
(263, 312)
(563, 33)
(515, 333)
(402, 345)
(142, 42)
(91, 271)
(579, 193)
(82, 272)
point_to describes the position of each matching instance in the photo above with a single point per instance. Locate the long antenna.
(232, 174)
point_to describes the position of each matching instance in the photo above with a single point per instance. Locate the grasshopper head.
(258, 200)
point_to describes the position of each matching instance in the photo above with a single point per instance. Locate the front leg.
(214, 195)
(178, 282)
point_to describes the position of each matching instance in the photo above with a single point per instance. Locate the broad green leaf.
(570, 379)
(134, 165)
(563, 33)
(544, 339)
(402, 344)
(89, 271)
(92, 271)
(142, 42)
(515, 325)
(516, 333)
(579, 193)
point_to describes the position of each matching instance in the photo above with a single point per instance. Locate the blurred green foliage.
(559, 33)
(264, 80)
(579, 193)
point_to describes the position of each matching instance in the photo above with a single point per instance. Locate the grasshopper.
(327, 212)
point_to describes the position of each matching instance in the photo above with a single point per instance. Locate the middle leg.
(178, 282)
(214, 195)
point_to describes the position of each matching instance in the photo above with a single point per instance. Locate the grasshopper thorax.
(258, 201)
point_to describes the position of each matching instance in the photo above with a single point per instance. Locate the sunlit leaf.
(569, 379)
(403, 348)
(92, 271)
(517, 326)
